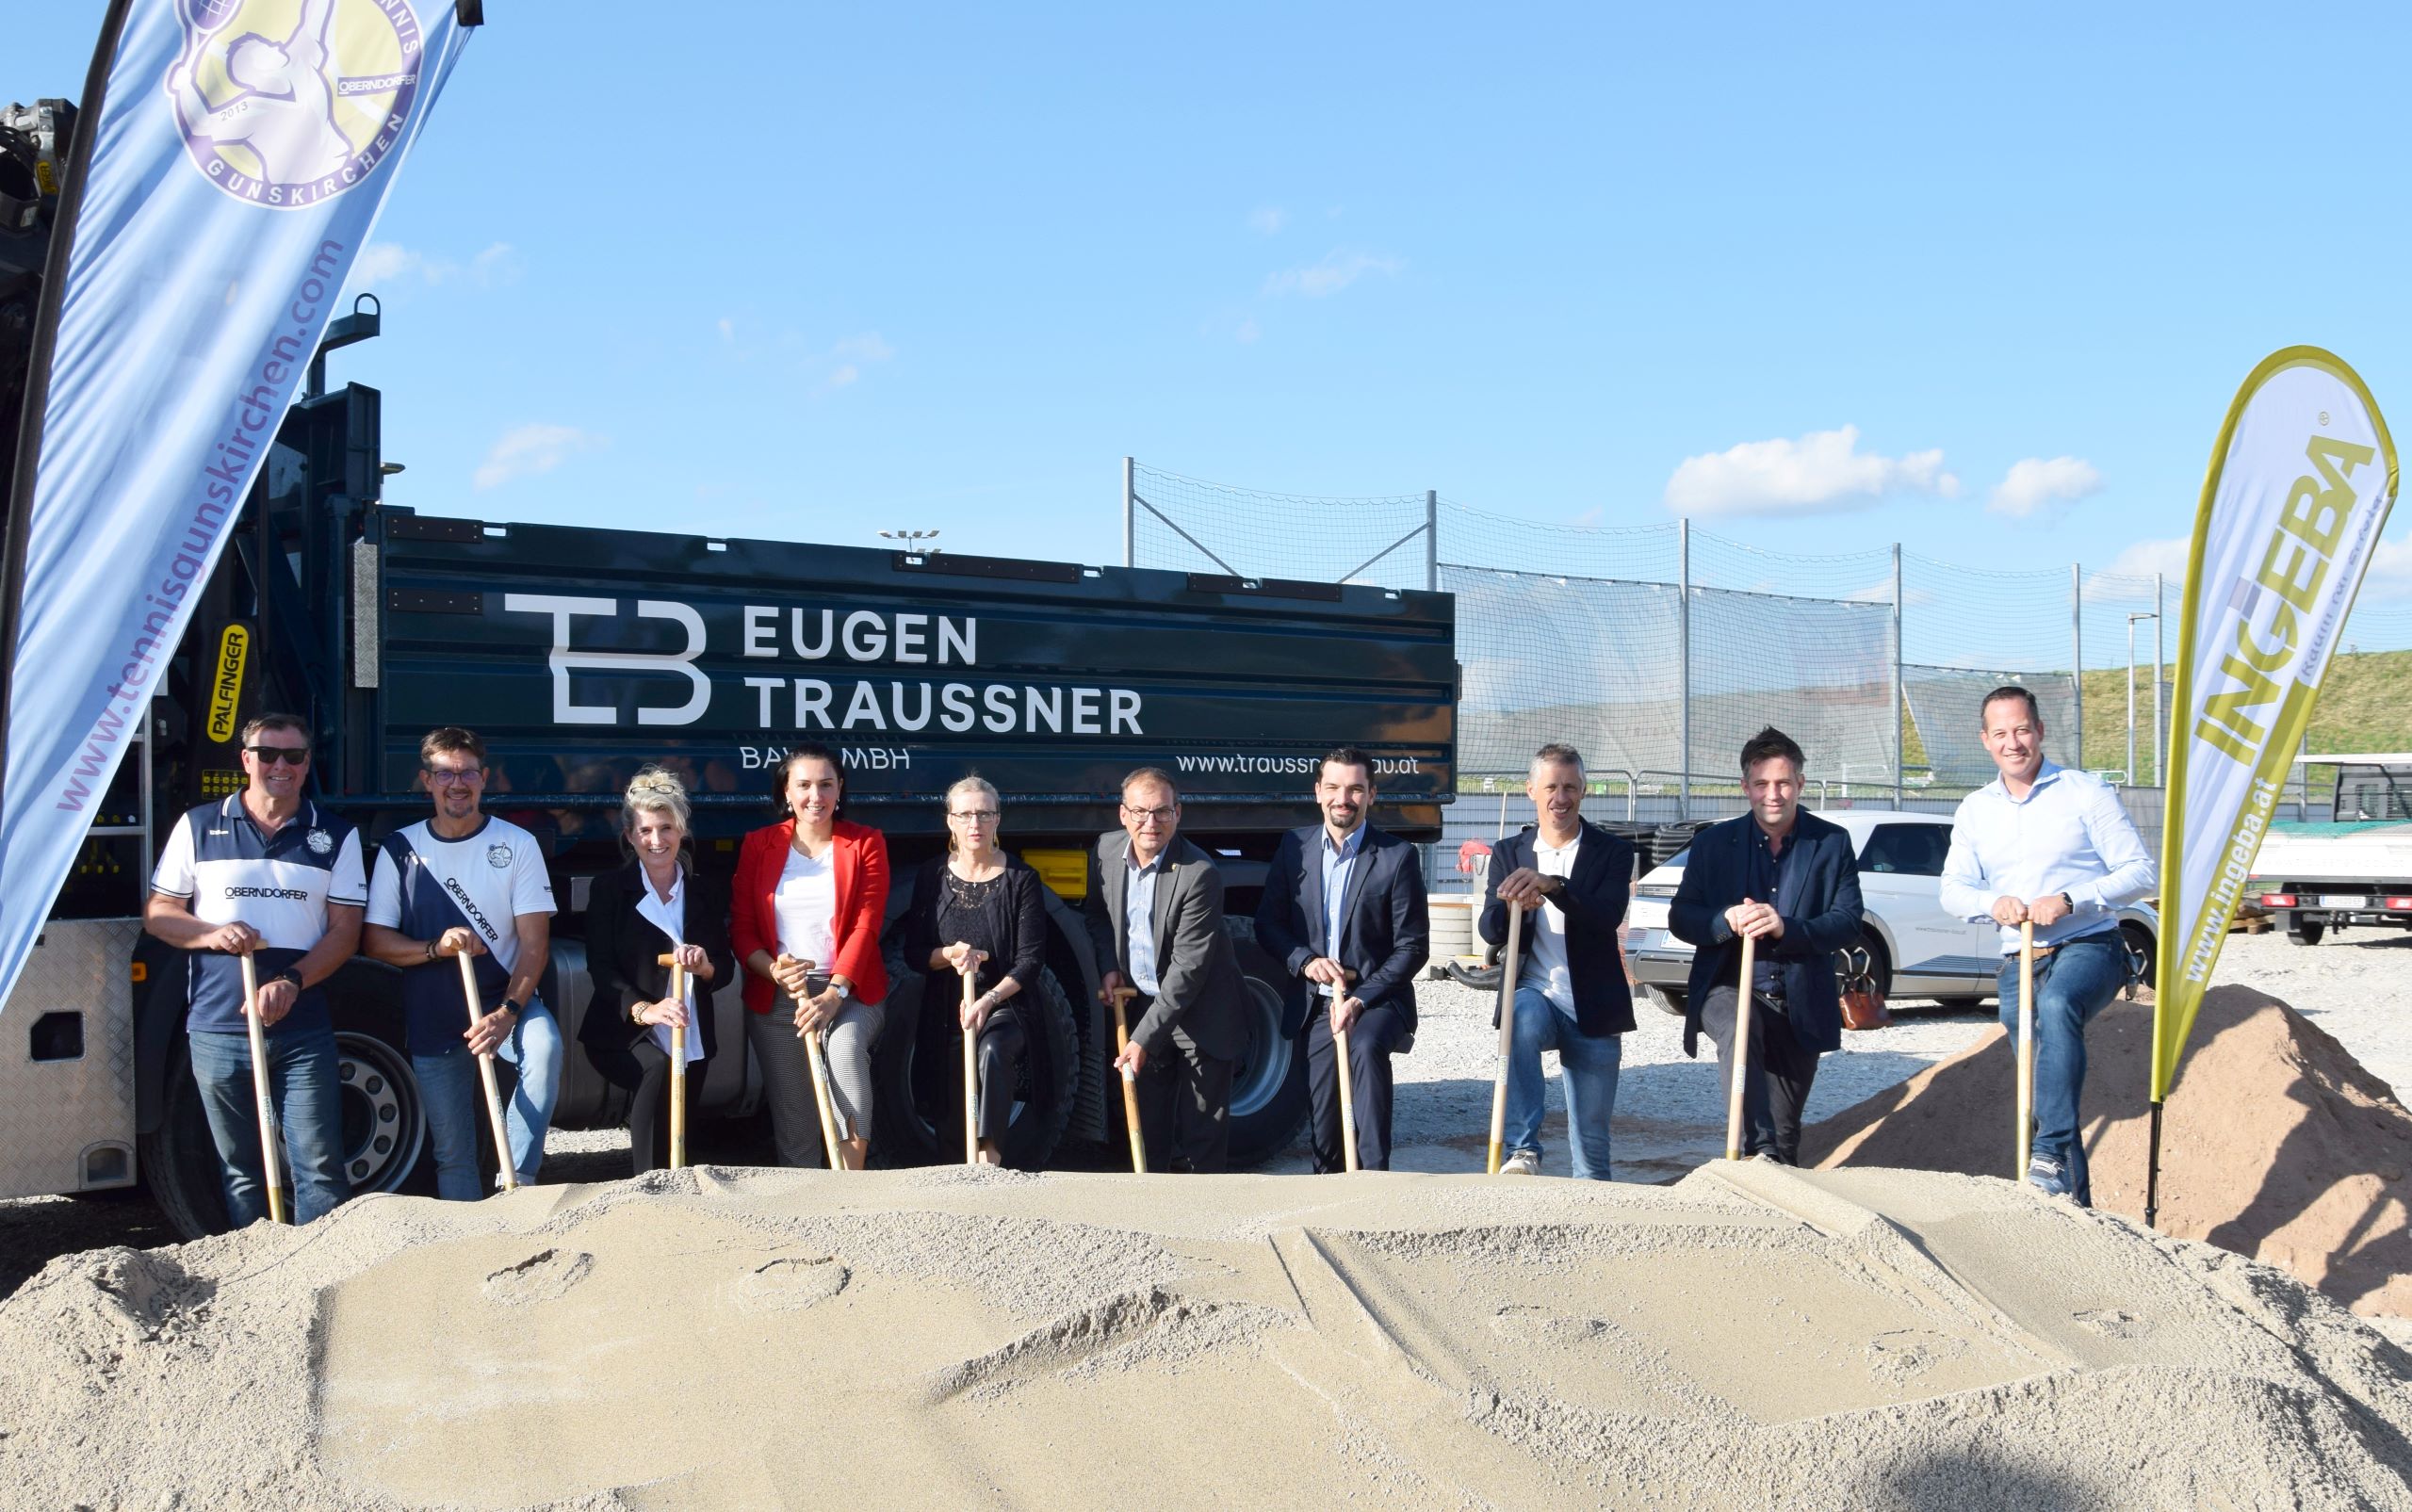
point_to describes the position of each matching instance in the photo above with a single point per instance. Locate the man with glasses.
(465, 883)
(2044, 845)
(265, 874)
(1155, 917)
(1344, 909)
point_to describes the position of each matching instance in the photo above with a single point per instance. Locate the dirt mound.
(1752, 1337)
(2276, 1142)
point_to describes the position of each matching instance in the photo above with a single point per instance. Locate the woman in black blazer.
(654, 905)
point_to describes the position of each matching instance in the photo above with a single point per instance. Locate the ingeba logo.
(226, 687)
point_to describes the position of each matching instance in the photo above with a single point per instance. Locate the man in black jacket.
(1790, 881)
(1344, 910)
(1155, 919)
(1571, 879)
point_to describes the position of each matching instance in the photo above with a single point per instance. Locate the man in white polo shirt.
(465, 882)
(2046, 845)
(265, 873)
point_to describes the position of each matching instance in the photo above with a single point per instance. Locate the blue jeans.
(309, 1110)
(456, 1099)
(2072, 985)
(1588, 1067)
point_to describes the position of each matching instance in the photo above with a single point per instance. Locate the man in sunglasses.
(465, 883)
(265, 873)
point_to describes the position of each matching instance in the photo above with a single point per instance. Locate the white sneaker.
(1524, 1163)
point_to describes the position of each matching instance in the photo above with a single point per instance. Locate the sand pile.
(2276, 1142)
(718, 1337)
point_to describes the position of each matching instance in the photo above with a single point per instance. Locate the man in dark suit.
(1343, 911)
(1155, 917)
(1571, 878)
(1790, 881)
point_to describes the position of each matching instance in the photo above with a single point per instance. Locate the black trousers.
(1369, 1085)
(1782, 1070)
(998, 1056)
(644, 1068)
(1184, 1107)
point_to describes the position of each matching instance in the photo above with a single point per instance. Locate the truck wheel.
(2305, 932)
(1269, 1083)
(918, 1116)
(1669, 1000)
(385, 1144)
(179, 1159)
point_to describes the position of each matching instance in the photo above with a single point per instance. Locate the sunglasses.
(292, 755)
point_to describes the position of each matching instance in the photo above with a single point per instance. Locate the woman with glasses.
(977, 910)
(655, 905)
(810, 894)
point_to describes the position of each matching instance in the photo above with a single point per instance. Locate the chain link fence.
(1658, 650)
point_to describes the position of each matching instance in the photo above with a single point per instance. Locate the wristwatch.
(516, 1008)
(844, 992)
(292, 974)
(636, 1012)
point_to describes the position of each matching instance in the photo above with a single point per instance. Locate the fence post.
(1684, 664)
(1431, 539)
(2159, 736)
(1900, 715)
(1130, 513)
(2076, 662)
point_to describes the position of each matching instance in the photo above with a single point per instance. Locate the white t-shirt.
(670, 917)
(1548, 924)
(807, 908)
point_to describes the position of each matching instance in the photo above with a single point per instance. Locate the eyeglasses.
(1151, 816)
(975, 816)
(292, 755)
(446, 777)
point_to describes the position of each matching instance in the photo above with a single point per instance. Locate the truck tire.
(2306, 931)
(179, 1159)
(1269, 1082)
(918, 1118)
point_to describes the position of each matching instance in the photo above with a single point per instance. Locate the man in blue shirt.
(265, 873)
(2046, 845)
(1343, 898)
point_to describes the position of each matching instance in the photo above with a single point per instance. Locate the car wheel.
(1878, 965)
(1667, 1000)
(2142, 968)
(2305, 932)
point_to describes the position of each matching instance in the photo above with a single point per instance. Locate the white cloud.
(866, 348)
(2036, 484)
(1247, 331)
(387, 261)
(727, 329)
(1824, 470)
(1268, 220)
(2391, 572)
(527, 450)
(842, 377)
(1338, 269)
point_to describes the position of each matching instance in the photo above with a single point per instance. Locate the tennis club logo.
(320, 843)
(499, 857)
(289, 103)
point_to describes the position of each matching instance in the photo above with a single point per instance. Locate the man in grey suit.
(1155, 917)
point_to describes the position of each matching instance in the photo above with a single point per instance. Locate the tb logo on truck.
(563, 660)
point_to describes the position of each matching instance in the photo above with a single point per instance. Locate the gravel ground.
(1667, 1118)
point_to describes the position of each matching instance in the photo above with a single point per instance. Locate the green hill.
(2366, 704)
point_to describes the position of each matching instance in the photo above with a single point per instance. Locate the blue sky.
(1979, 283)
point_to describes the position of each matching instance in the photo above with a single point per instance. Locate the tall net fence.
(1658, 650)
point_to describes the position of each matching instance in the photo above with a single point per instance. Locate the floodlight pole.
(1684, 664)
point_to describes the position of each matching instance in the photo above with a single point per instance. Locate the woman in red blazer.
(810, 897)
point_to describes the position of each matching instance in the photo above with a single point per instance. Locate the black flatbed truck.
(581, 654)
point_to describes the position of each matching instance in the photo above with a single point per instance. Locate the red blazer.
(860, 861)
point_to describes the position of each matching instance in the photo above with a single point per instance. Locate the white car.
(1915, 950)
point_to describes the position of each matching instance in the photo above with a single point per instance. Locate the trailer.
(2314, 877)
(581, 654)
